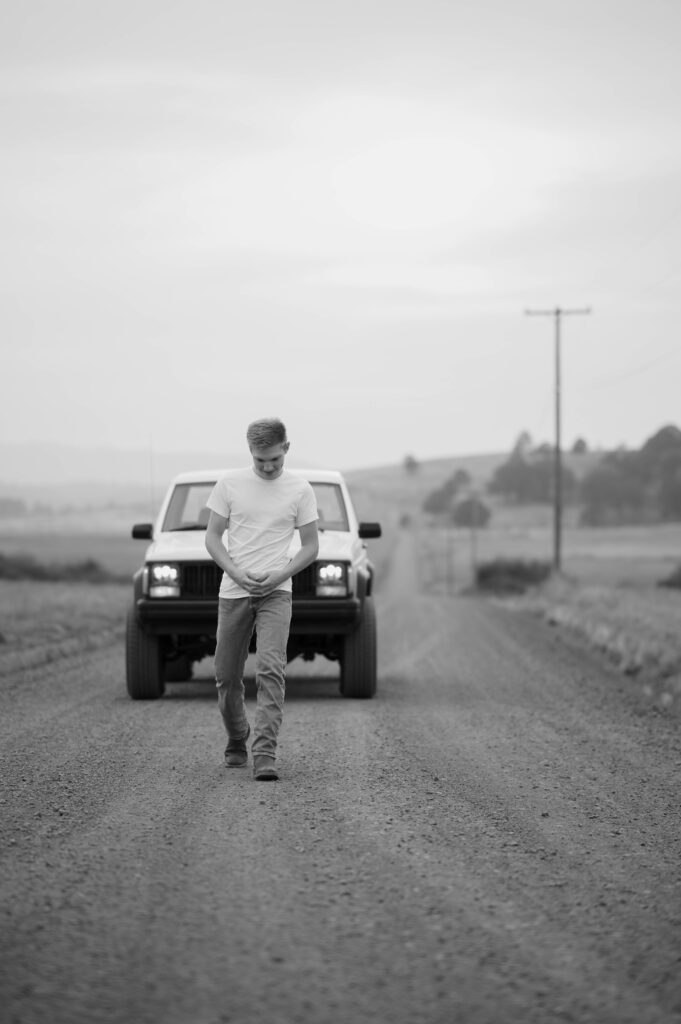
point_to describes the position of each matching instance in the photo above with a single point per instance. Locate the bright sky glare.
(338, 214)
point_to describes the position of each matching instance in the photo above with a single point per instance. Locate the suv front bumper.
(198, 618)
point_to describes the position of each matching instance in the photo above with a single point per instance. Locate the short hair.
(265, 433)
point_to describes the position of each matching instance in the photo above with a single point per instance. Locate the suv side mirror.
(142, 531)
(367, 531)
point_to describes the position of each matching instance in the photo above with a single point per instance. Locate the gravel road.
(494, 838)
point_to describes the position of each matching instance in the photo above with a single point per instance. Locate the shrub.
(25, 567)
(674, 580)
(471, 512)
(440, 500)
(511, 575)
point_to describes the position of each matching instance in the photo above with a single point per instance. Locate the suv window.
(331, 506)
(187, 507)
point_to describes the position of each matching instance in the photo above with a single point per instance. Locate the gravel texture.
(494, 838)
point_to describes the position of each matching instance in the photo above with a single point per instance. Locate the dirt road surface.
(494, 838)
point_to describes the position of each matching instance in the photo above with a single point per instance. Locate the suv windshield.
(331, 506)
(187, 507)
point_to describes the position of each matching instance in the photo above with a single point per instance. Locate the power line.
(627, 254)
(638, 371)
(557, 314)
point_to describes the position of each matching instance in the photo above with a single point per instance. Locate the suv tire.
(358, 658)
(143, 661)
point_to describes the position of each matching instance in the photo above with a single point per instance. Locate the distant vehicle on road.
(172, 620)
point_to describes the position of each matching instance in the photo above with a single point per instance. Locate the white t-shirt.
(262, 516)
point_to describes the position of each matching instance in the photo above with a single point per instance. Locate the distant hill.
(433, 472)
(44, 463)
(388, 492)
(62, 476)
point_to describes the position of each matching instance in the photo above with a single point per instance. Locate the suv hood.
(190, 547)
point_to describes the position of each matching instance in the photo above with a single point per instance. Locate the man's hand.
(259, 584)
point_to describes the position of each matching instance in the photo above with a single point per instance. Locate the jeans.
(270, 616)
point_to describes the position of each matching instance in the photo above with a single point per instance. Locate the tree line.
(622, 487)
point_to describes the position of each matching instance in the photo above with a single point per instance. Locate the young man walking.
(259, 507)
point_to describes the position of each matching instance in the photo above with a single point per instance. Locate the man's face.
(269, 462)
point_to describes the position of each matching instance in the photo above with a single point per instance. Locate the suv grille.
(304, 582)
(202, 580)
(199, 579)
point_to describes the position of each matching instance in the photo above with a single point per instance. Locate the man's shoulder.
(227, 487)
(236, 476)
(296, 482)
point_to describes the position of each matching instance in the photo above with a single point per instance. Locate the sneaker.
(264, 770)
(236, 753)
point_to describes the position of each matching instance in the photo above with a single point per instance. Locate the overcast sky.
(337, 213)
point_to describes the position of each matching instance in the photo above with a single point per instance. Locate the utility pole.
(557, 314)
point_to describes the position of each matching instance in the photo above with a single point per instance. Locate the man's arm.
(309, 549)
(215, 547)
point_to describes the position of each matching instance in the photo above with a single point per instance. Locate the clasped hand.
(258, 584)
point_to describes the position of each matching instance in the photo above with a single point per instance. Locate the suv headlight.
(164, 579)
(332, 579)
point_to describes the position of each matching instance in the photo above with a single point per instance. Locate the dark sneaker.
(264, 770)
(236, 752)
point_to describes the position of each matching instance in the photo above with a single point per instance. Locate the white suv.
(173, 617)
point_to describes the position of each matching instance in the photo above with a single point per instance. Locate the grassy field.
(116, 552)
(611, 556)
(617, 557)
(636, 628)
(41, 622)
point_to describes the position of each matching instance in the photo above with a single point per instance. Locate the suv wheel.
(358, 660)
(143, 661)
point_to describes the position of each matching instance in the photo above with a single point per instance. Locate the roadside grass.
(43, 621)
(619, 591)
(636, 628)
